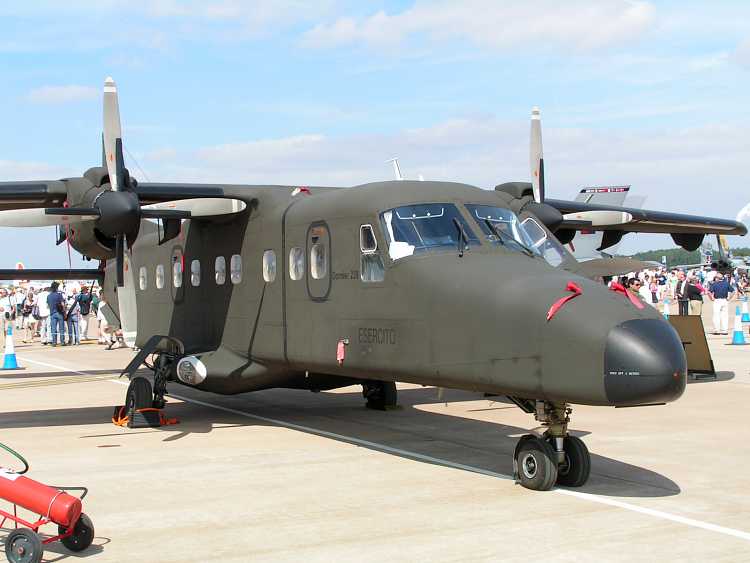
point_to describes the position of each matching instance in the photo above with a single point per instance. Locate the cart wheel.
(83, 534)
(23, 546)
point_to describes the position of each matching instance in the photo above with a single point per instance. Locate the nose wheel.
(541, 462)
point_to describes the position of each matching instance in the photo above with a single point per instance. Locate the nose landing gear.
(555, 457)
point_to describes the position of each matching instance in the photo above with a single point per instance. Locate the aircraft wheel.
(140, 394)
(537, 464)
(83, 534)
(575, 471)
(380, 395)
(23, 546)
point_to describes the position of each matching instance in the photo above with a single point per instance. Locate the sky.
(324, 92)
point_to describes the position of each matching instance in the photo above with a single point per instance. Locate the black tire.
(140, 395)
(83, 534)
(575, 471)
(380, 395)
(537, 464)
(23, 546)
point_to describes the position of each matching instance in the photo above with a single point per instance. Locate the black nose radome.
(644, 363)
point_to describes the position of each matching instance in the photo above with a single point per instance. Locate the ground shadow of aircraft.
(428, 436)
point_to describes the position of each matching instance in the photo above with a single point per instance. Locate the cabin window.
(296, 263)
(425, 227)
(177, 271)
(269, 266)
(318, 261)
(160, 276)
(195, 273)
(551, 250)
(367, 241)
(235, 269)
(220, 269)
(142, 278)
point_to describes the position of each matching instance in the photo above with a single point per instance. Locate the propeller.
(116, 210)
(536, 155)
(555, 220)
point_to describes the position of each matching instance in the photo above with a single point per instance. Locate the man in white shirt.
(44, 329)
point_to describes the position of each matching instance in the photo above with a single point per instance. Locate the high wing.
(647, 221)
(687, 230)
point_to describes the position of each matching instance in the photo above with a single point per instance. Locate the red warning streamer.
(619, 288)
(557, 305)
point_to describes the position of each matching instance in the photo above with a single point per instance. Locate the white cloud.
(14, 170)
(577, 24)
(62, 94)
(742, 54)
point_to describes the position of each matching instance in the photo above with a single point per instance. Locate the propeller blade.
(46, 217)
(599, 218)
(536, 155)
(112, 133)
(198, 207)
(120, 260)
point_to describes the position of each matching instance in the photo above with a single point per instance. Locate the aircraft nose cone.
(644, 363)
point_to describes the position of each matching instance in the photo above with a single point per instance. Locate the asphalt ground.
(286, 475)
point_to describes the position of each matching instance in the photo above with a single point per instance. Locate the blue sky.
(322, 92)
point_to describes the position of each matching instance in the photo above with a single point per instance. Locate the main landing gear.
(380, 395)
(555, 457)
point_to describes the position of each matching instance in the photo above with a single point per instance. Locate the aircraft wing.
(646, 221)
(27, 195)
(687, 230)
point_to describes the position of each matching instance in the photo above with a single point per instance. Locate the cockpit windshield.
(412, 229)
(501, 226)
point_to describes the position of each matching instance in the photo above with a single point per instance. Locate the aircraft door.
(318, 252)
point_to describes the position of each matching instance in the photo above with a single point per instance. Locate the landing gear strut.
(380, 395)
(555, 457)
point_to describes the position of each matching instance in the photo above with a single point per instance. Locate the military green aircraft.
(237, 288)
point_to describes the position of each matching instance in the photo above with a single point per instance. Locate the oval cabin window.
(269, 266)
(235, 267)
(195, 273)
(220, 267)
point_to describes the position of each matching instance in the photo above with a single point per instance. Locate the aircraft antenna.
(396, 168)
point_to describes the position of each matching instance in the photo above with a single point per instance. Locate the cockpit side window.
(550, 248)
(424, 227)
(371, 268)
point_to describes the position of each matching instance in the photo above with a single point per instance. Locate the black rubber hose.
(18, 456)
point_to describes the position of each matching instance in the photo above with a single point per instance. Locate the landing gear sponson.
(555, 457)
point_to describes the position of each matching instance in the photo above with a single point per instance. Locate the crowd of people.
(57, 315)
(663, 288)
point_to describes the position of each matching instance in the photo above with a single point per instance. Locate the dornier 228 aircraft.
(236, 288)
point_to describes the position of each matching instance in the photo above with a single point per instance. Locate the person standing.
(84, 311)
(694, 294)
(56, 304)
(27, 308)
(73, 308)
(720, 292)
(680, 293)
(44, 318)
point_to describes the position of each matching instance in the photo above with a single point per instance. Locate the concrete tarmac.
(286, 475)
